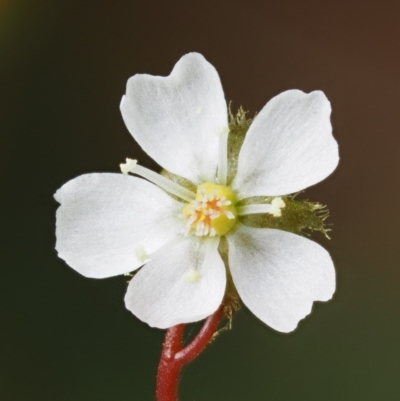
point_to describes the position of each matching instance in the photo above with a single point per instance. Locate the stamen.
(131, 166)
(273, 208)
(223, 157)
(126, 167)
(277, 204)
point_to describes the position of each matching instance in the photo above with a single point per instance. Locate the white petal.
(278, 274)
(107, 223)
(177, 119)
(164, 292)
(288, 147)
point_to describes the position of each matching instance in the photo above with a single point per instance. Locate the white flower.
(110, 224)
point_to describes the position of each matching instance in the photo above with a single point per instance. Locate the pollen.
(212, 212)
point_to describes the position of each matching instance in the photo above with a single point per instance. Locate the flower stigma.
(212, 212)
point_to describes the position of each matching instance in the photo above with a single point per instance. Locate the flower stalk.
(174, 357)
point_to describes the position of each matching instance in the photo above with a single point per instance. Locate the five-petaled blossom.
(111, 224)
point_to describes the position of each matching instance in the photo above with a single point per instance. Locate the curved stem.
(198, 344)
(174, 357)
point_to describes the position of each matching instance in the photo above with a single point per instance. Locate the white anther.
(276, 205)
(226, 203)
(140, 253)
(128, 166)
(219, 204)
(192, 276)
(213, 233)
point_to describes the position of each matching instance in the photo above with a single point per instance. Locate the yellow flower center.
(212, 212)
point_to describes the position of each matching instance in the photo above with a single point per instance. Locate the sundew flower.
(172, 229)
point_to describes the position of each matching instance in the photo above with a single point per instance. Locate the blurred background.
(63, 70)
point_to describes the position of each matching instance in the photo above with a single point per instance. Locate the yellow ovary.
(212, 212)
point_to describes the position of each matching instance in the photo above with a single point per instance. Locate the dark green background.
(63, 69)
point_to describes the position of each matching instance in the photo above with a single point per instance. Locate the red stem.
(168, 369)
(174, 357)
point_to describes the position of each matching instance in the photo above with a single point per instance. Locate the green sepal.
(238, 127)
(298, 216)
